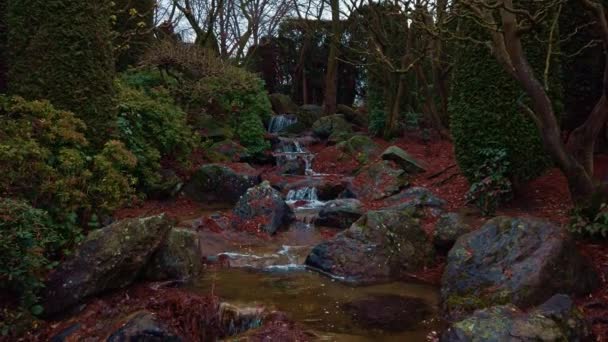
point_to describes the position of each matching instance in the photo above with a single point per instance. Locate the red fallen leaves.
(186, 314)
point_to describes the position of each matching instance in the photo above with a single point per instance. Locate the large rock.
(221, 184)
(227, 151)
(264, 204)
(109, 258)
(522, 261)
(143, 326)
(381, 245)
(403, 159)
(448, 228)
(360, 147)
(379, 180)
(282, 104)
(340, 213)
(332, 126)
(179, 257)
(308, 114)
(415, 197)
(555, 320)
(358, 118)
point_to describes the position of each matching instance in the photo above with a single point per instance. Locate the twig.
(445, 181)
(435, 175)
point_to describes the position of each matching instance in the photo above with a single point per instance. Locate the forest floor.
(545, 197)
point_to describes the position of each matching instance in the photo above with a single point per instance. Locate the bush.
(231, 95)
(153, 128)
(44, 159)
(493, 187)
(28, 240)
(61, 51)
(486, 114)
(591, 220)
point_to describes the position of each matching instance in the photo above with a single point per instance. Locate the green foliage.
(44, 159)
(28, 240)
(591, 220)
(251, 133)
(485, 110)
(3, 47)
(61, 51)
(493, 187)
(152, 127)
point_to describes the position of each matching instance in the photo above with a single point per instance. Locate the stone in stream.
(109, 258)
(448, 228)
(234, 320)
(221, 184)
(523, 261)
(340, 213)
(388, 312)
(555, 320)
(332, 126)
(379, 180)
(382, 245)
(266, 204)
(403, 159)
(179, 257)
(143, 326)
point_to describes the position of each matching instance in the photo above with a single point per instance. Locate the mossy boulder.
(380, 246)
(523, 261)
(352, 115)
(179, 257)
(221, 184)
(448, 228)
(360, 147)
(379, 180)
(282, 104)
(109, 258)
(332, 126)
(169, 185)
(265, 205)
(308, 114)
(555, 320)
(403, 159)
(227, 151)
(415, 197)
(143, 326)
(340, 213)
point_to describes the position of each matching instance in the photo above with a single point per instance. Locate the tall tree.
(507, 24)
(331, 77)
(61, 51)
(3, 47)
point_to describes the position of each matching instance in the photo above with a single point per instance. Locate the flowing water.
(279, 123)
(271, 273)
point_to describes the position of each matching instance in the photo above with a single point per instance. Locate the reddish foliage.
(181, 207)
(332, 161)
(186, 314)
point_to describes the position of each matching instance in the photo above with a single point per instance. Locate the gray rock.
(221, 184)
(109, 258)
(331, 126)
(264, 203)
(523, 261)
(448, 228)
(555, 320)
(403, 159)
(379, 180)
(382, 245)
(179, 257)
(143, 326)
(341, 213)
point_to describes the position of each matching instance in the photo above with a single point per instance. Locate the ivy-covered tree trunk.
(61, 51)
(3, 47)
(134, 30)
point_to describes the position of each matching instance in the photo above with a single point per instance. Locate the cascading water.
(278, 123)
(308, 194)
(290, 150)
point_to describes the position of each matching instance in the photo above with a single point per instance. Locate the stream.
(270, 273)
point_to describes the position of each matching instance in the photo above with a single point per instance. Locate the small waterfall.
(308, 194)
(278, 123)
(291, 150)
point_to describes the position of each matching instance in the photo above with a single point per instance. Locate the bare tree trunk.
(331, 86)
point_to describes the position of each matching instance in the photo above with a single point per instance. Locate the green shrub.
(152, 127)
(486, 114)
(44, 159)
(591, 220)
(251, 133)
(28, 240)
(61, 51)
(493, 187)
